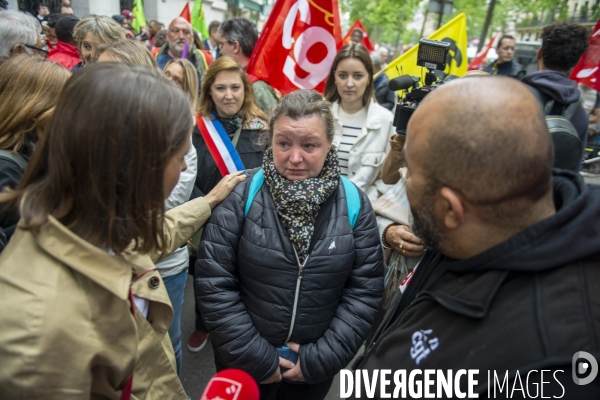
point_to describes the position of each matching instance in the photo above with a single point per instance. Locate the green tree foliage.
(595, 11)
(520, 12)
(383, 19)
(386, 19)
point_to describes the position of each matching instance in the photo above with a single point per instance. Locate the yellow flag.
(455, 33)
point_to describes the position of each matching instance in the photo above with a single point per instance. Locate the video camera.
(433, 55)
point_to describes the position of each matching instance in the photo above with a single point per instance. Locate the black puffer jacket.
(246, 277)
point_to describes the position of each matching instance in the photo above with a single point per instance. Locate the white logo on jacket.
(332, 245)
(422, 345)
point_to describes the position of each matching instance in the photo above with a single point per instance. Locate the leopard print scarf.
(298, 202)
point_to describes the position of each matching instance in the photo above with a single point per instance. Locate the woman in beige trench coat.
(84, 312)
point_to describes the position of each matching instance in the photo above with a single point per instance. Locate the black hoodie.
(528, 303)
(557, 86)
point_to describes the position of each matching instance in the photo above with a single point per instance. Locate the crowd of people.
(308, 223)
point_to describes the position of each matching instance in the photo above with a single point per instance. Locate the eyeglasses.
(176, 31)
(44, 52)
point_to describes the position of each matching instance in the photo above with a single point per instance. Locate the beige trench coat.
(66, 327)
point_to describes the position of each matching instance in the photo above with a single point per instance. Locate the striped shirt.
(351, 124)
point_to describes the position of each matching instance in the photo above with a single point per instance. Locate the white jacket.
(369, 151)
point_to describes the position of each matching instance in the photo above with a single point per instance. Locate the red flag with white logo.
(476, 63)
(366, 41)
(297, 45)
(587, 71)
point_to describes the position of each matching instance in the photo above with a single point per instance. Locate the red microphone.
(231, 384)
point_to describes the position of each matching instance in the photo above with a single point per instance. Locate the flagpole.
(486, 24)
(441, 14)
(424, 22)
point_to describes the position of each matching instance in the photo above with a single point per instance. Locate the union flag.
(366, 41)
(587, 71)
(297, 45)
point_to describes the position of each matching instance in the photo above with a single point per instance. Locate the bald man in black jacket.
(509, 285)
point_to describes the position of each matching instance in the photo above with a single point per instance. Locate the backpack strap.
(352, 200)
(571, 109)
(14, 157)
(547, 105)
(551, 107)
(352, 195)
(255, 183)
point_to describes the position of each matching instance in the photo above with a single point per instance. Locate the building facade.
(582, 12)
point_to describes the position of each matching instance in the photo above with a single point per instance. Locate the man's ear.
(453, 208)
(236, 47)
(18, 49)
(539, 54)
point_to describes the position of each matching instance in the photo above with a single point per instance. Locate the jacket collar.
(470, 295)
(111, 272)
(66, 48)
(373, 115)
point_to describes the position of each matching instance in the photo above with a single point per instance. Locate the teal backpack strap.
(352, 200)
(255, 183)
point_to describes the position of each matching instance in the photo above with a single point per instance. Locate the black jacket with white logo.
(528, 303)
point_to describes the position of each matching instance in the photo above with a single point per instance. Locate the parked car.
(526, 54)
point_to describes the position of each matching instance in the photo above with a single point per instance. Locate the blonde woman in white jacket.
(364, 127)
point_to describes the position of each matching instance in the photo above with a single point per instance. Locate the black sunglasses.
(38, 49)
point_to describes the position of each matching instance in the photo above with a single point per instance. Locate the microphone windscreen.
(231, 384)
(401, 83)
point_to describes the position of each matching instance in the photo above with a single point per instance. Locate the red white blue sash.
(220, 146)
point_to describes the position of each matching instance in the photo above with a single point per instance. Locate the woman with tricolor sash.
(228, 123)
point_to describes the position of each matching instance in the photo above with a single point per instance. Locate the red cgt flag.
(587, 71)
(366, 41)
(297, 45)
(476, 63)
(185, 13)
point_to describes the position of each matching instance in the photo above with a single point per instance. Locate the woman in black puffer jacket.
(293, 270)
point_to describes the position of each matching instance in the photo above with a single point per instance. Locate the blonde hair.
(104, 28)
(249, 108)
(30, 87)
(190, 79)
(130, 52)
